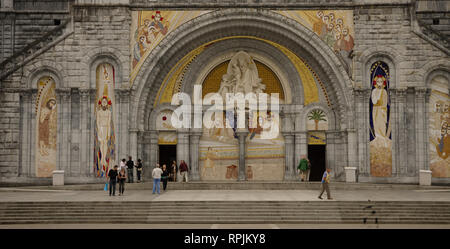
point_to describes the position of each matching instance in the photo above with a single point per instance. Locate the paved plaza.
(36, 195)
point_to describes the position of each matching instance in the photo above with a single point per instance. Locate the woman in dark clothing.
(139, 170)
(164, 177)
(122, 178)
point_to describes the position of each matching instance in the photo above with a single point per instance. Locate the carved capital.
(420, 92)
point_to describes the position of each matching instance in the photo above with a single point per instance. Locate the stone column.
(25, 112)
(421, 132)
(31, 168)
(331, 152)
(399, 132)
(427, 129)
(152, 145)
(301, 148)
(410, 127)
(123, 121)
(352, 148)
(340, 154)
(67, 113)
(289, 173)
(194, 152)
(287, 129)
(91, 127)
(393, 126)
(85, 148)
(363, 137)
(242, 135)
(183, 146)
(132, 138)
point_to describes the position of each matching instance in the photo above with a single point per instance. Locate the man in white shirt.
(156, 174)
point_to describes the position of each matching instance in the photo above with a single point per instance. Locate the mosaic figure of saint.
(45, 121)
(380, 129)
(158, 25)
(209, 162)
(139, 50)
(379, 98)
(103, 127)
(104, 132)
(46, 127)
(443, 146)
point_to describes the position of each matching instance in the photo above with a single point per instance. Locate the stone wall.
(386, 34)
(101, 34)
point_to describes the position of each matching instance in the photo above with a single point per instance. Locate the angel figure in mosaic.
(158, 26)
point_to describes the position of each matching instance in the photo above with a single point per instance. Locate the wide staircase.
(226, 212)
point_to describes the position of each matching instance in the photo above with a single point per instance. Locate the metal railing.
(24, 55)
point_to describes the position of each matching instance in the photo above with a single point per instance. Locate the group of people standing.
(122, 173)
(165, 174)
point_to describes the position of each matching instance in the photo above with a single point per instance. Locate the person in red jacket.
(184, 171)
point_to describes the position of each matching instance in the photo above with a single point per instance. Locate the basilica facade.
(359, 85)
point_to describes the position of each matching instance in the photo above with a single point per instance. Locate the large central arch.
(263, 24)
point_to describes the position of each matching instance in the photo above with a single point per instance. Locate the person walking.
(164, 176)
(173, 171)
(139, 170)
(112, 176)
(303, 167)
(325, 184)
(130, 165)
(183, 171)
(122, 178)
(156, 174)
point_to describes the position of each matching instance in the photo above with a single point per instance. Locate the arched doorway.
(171, 65)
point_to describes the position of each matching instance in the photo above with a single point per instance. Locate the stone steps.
(222, 212)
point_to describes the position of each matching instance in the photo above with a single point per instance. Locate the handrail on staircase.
(34, 43)
(435, 32)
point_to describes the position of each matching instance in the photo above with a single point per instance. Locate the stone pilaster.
(33, 133)
(362, 98)
(289, 173)
(393, 114)
(410, 127)
(421, 132)
(26, 109)
(91, 127)
(194, 153)
(132, 138)
(332, 152)
(352, 148)
(66, 130)
(122, 111)
(427, 128)
(242, 135)
(151, 147)
(183, 147)
(300, 148)
(85, 148)
(399, 132)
